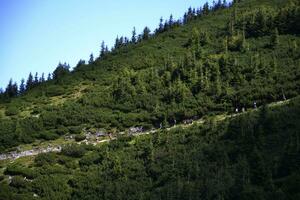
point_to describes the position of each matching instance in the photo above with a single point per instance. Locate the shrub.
(79, 137)
(12, 110)
(73, 150)
(18, 182)
(44, 158)
(48, 135)
(14, 169)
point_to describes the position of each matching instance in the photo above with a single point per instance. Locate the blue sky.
(37, 34)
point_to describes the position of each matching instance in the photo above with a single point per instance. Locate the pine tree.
(146, 33)
(117, 43)
(205, 9)
(11, 89)
(22, 87)
(161, 25)
(133, 37)
(171, 21)
(49, 77)
(36, 79)
(29, 83)
(91, 60)
(102, 51)
(42, 78)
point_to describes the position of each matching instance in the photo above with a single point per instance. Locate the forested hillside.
(215, 59)
(220, 59)
(252, 156)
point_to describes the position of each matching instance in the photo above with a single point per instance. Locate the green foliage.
(251, 156)
(73, 150)
(45, 158)
(12, 110)
(79, 137)
(215, 62)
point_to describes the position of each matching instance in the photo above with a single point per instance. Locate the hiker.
(243, 109)
(236, 110)
(254, 105)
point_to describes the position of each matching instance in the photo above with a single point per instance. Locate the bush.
(18, 182)
(48, 135)
(44, 158)
(73, 150)
(14, 169)
(12, 110)
(79, 138)
(54, 91)
(74, 129)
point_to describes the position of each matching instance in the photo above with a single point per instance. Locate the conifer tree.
(49, 77)
(146, 33)
(205, 9)
(22, 87)
(42, 78)
(171, 21)
(36, 79)
(29, 83)
(133, 37)
(102, 51)
(91, 60)
(11, 89)
(161, 25)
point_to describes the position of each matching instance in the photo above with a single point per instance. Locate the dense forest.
(217, 59)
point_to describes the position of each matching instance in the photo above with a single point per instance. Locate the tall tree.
(11, 89)
(171, 21)
(205, 9)
(42, 78)
(49, 77)
(160, 26)
(29, 83)
(91, 60)
(36, 79)
(61, 70)
(22, 87)
(146, 33)
(133, 37)
(103, 50)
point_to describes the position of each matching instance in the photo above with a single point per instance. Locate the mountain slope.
(252, 156)
(222, 60)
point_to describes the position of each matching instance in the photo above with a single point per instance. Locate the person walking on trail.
(236, 110)
(254, 105)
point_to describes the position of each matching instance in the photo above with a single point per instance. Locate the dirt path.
(33, 152)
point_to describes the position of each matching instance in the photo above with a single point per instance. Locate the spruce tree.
(205, 9)
(11, 89)
(171, 21)
(42, 78)
(22, 87)
(29, 83)
(91, 60)
(102, 51)
(146, 33)
(160, 26)
(36, 79)
(133, 37)
(49, 77)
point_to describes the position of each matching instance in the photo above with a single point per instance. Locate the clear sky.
(37, 34)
